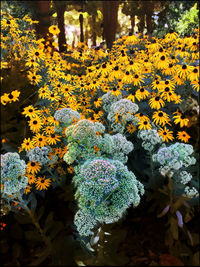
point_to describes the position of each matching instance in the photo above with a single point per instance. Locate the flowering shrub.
(105, 189)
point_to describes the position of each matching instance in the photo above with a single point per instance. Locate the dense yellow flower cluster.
(156, 75)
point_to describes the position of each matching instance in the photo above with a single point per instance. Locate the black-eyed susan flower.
(183, 136)
(142, 93)
(27, 189)
(194, 74)
(43, 91)
(127, 78)
(42, 183)
(53, 121)
(142, 117)
(131, 128)
(27, 144)
(35, 124)
(53, 139)
(180, 118)
(31, 112)
(36, 54)
(53, 96)
(170, 69)
(33, 77)
(49, 130)
(33, 167)
(144, 125)
(13, 96)
(162, 62)
(137, 79)
(70, 169)
(183, 70)
(53, 29)
(31, 178)
(161, 118)
(31, 63)
(156, 102)
(166, 134)
(115, 91)
(39, 140)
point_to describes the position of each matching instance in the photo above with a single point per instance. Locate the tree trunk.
(86, 35)
(141, 23)
(132, 24)
(94, 35)
(149, 20)
(81, 28)
(41, 13)
(110, 12)
(60, 10)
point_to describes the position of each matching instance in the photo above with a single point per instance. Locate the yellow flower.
(11, 97)
(42, 183)
(31, 112)
(70, 169)
(183, 136)
(166, 134)
(156, 102)
(27, 145)
(161, 118)
(33, 77)
(33, 167)
(54, 30)
(39, 140)
(142, 93)
(183, 70)
(31, 178)
(35, 124)
(52, 139)
(131, 128)
(144, 125)
(180, 118)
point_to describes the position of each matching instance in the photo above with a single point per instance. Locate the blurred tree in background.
(188, 21)
(101, 20)
(171, 15)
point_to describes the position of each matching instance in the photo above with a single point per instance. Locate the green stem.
(152, 172)
(36, 223)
